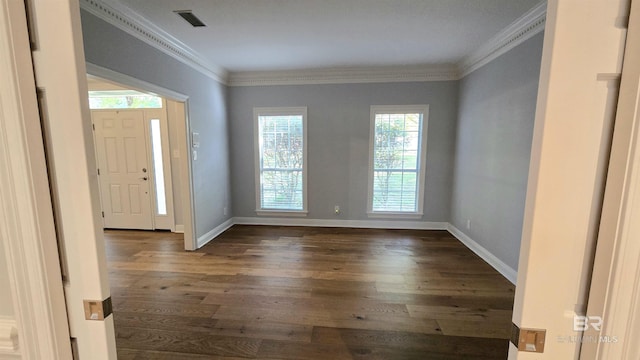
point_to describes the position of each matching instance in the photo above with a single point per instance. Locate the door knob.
(144, 170)
(143, 178)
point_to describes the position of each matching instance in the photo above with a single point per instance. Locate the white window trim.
(399, 109)
(273, 111)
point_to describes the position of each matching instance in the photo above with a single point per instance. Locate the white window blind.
(397, 152)
(281, 159)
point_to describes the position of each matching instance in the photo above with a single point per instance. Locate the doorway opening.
(131, 138)
(141, 150)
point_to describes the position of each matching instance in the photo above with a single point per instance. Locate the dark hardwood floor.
(306, 293)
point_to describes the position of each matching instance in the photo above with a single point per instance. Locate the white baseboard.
(486, 255)
(8, 339)
(179, 229)
(373, 224)
(204, 239)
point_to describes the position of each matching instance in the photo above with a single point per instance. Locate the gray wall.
(493, 145)
(338, 142)
(109, 47)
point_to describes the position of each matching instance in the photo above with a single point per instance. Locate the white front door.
(124, 171)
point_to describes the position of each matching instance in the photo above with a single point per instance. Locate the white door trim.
(564, 191)
(133, 83)
(616, 275)
(186, 182)
(58, 57)
(27, 230)
(186, 172)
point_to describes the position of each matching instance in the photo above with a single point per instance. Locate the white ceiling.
(255, 35)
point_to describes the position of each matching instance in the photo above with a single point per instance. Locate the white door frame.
(60, 76)
(581, 61)
(186, 182)
(614, 295)
(27, 230)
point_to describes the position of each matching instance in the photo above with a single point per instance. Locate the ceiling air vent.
(190, 18)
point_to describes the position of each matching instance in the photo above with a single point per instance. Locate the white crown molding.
(352, 75)
(525, 27)
(138, 26)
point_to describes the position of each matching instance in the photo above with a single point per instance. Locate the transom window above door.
(123, 99)
(397, 154)
(281, 160)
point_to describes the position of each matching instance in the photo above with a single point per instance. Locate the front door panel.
(121, 147)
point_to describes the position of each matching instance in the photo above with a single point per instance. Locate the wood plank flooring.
(263, 292)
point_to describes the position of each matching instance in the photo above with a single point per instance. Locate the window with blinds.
(281, 159)
(397, 160)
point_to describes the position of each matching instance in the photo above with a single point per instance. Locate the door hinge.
(103, 214)
(93, 126)
(98, 171)
(97, 309)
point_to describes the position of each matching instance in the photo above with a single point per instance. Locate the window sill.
(394, 215)
(292, 213)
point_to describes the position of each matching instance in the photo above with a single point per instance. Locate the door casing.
(177, 105)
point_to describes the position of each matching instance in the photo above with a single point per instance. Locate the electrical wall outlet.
(468, 224)
(225, 210)
(336, 209)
